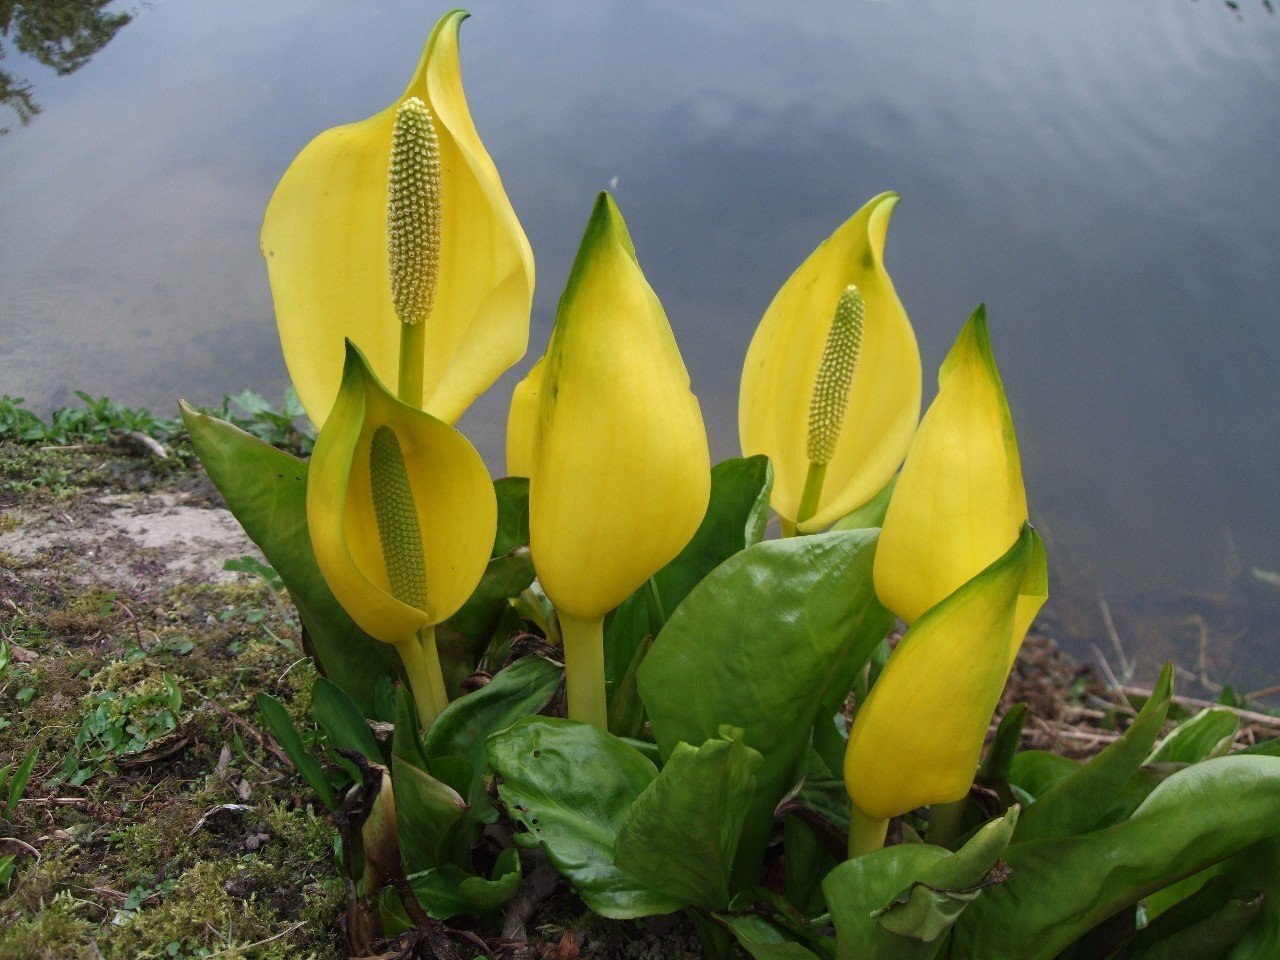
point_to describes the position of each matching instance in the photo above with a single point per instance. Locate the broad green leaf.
(447, 891)
(518, 691)
(736, 517)
(762, 940)
(266, 490)
(430, 818)
(898, 903)
(871, 513)
(513, 514)
(570, 786)
(1258, 868)
(395, 919)
(286, 733)
(1202, 927)
(681, 834)
(1035, 771)
(935, 900)
(813, 618)
(1062, 887)
(1077, 803)
(342, 720)
(1209, 733)
(858, 888)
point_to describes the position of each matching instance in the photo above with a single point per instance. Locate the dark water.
(1103, 174)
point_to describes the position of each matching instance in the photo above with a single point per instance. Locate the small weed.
(251, 612)
(118, 724)
(99, 417)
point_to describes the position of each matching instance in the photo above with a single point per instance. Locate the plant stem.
(413, 338)
(866, 834)
(788, 527)
(584, 668)
(812, 491)
(422, 665)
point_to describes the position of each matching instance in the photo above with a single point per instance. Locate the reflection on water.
(60, 34)
(1102, 174)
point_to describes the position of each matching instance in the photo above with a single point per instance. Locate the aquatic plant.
(708, 670)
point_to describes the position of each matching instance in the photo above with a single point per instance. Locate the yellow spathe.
(325, 241)
(782, 365)
(522, 422)
(621, 471)
(960, 501)
(445, 489)
(917, 738)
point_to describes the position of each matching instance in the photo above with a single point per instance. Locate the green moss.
(60, 930)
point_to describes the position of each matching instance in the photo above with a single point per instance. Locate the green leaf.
(626, 711)
(513, 514)
(681, 834)
(430, 818)
(762, 940)
(18, 783)
(447, 891)
(1266, 748)
(940, 894)
(286, 733)
(504, 577)
(395, 919)
(813, 620)
(1077, 803)
(266, 490)
(461, 728)
(736, 517)
(1035, 771)
(1209, 733)
(859, 887)
(898, 903)
(871, 513)
(1202, 927)
(570, 786)
(737, 513)
(342, 720)
(1004, 745)
(1062, 887)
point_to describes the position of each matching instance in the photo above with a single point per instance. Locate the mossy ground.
(199, 844)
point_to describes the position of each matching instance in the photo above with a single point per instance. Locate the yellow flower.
(797, 404)
(464, 266)
(402, 517)
(620, 468)
(522, 422)
(917, 738)
(959, 502)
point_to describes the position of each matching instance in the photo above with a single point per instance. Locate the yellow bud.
(621, 475)
(522, 422)
(959, 501)
(917, 738)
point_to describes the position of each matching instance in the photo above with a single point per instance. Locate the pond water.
(1102, 174)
